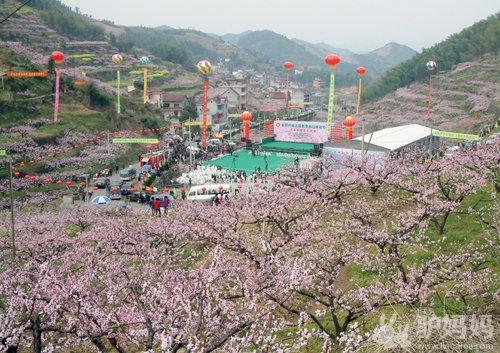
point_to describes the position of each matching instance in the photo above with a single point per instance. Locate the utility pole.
(13, 236)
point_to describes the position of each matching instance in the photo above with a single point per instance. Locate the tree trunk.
(37, 336)
(98, 343)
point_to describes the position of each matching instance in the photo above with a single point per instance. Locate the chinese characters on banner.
(331, 98)
(300, 131)
(336, 135)
(56, 100)
(268, 129)
(205, 101)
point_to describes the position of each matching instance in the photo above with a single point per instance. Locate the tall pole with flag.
(117, 59)
(204, 68)
(332, 61)
(431, 66)
(57, 56)
(145, 60)
(361, 71)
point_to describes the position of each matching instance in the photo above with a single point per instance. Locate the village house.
(235, 90)
(299, 96)
(217, 108)
(173, 104)
(154, 96)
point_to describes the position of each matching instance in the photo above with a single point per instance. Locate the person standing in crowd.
(157, 207)
(166, 202)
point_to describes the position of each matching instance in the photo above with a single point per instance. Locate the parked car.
(125, 189)
(116, 184)
(135, 196)
(115, 193)
(102, 183)
(161, 196)
(128, 173)
(86, 177)
(452, 152)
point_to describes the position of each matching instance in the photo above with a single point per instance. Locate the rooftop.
(396, 137)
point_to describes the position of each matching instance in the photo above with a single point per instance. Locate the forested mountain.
(234, 38)
(278, 49)
(473, 42)
(62, 19)
(331, 49)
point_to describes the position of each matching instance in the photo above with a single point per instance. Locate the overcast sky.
(357, 25)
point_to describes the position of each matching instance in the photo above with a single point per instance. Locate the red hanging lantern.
(68, 182)
(221, 187)
(57, 56)
(96, 188)
(332, 60)
(167, 189)
(256, 185)
(98, 137)
(103, 135)
(76, 146)
(82, 143)
(132, 189)
(68, 149)
(288, 65)
(39, 159)
(32, 162)
(115, 189)
(59, 182)
(360, 70)
(82, 184)
(48, 180)
(183, 189)
(239, 186)
(13, 168)
(22, 164)
(203, 189)
(50, 156)
(26, 176)
(91, 140)
(349, 122)
(17, 174)
(33, 178)
(292, 181)
(58, 152)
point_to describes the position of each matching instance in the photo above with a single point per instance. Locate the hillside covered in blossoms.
(465, 99)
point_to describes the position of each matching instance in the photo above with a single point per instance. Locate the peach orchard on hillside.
(271, 271)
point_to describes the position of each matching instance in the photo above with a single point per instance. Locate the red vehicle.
(154, 158)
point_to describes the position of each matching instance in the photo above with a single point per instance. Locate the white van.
(204, 193)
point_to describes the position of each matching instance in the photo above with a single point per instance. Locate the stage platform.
(287, 147)
(277, 154)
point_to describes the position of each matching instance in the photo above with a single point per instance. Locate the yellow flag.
(84, 74)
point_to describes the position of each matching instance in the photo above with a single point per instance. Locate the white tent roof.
(396, 137)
